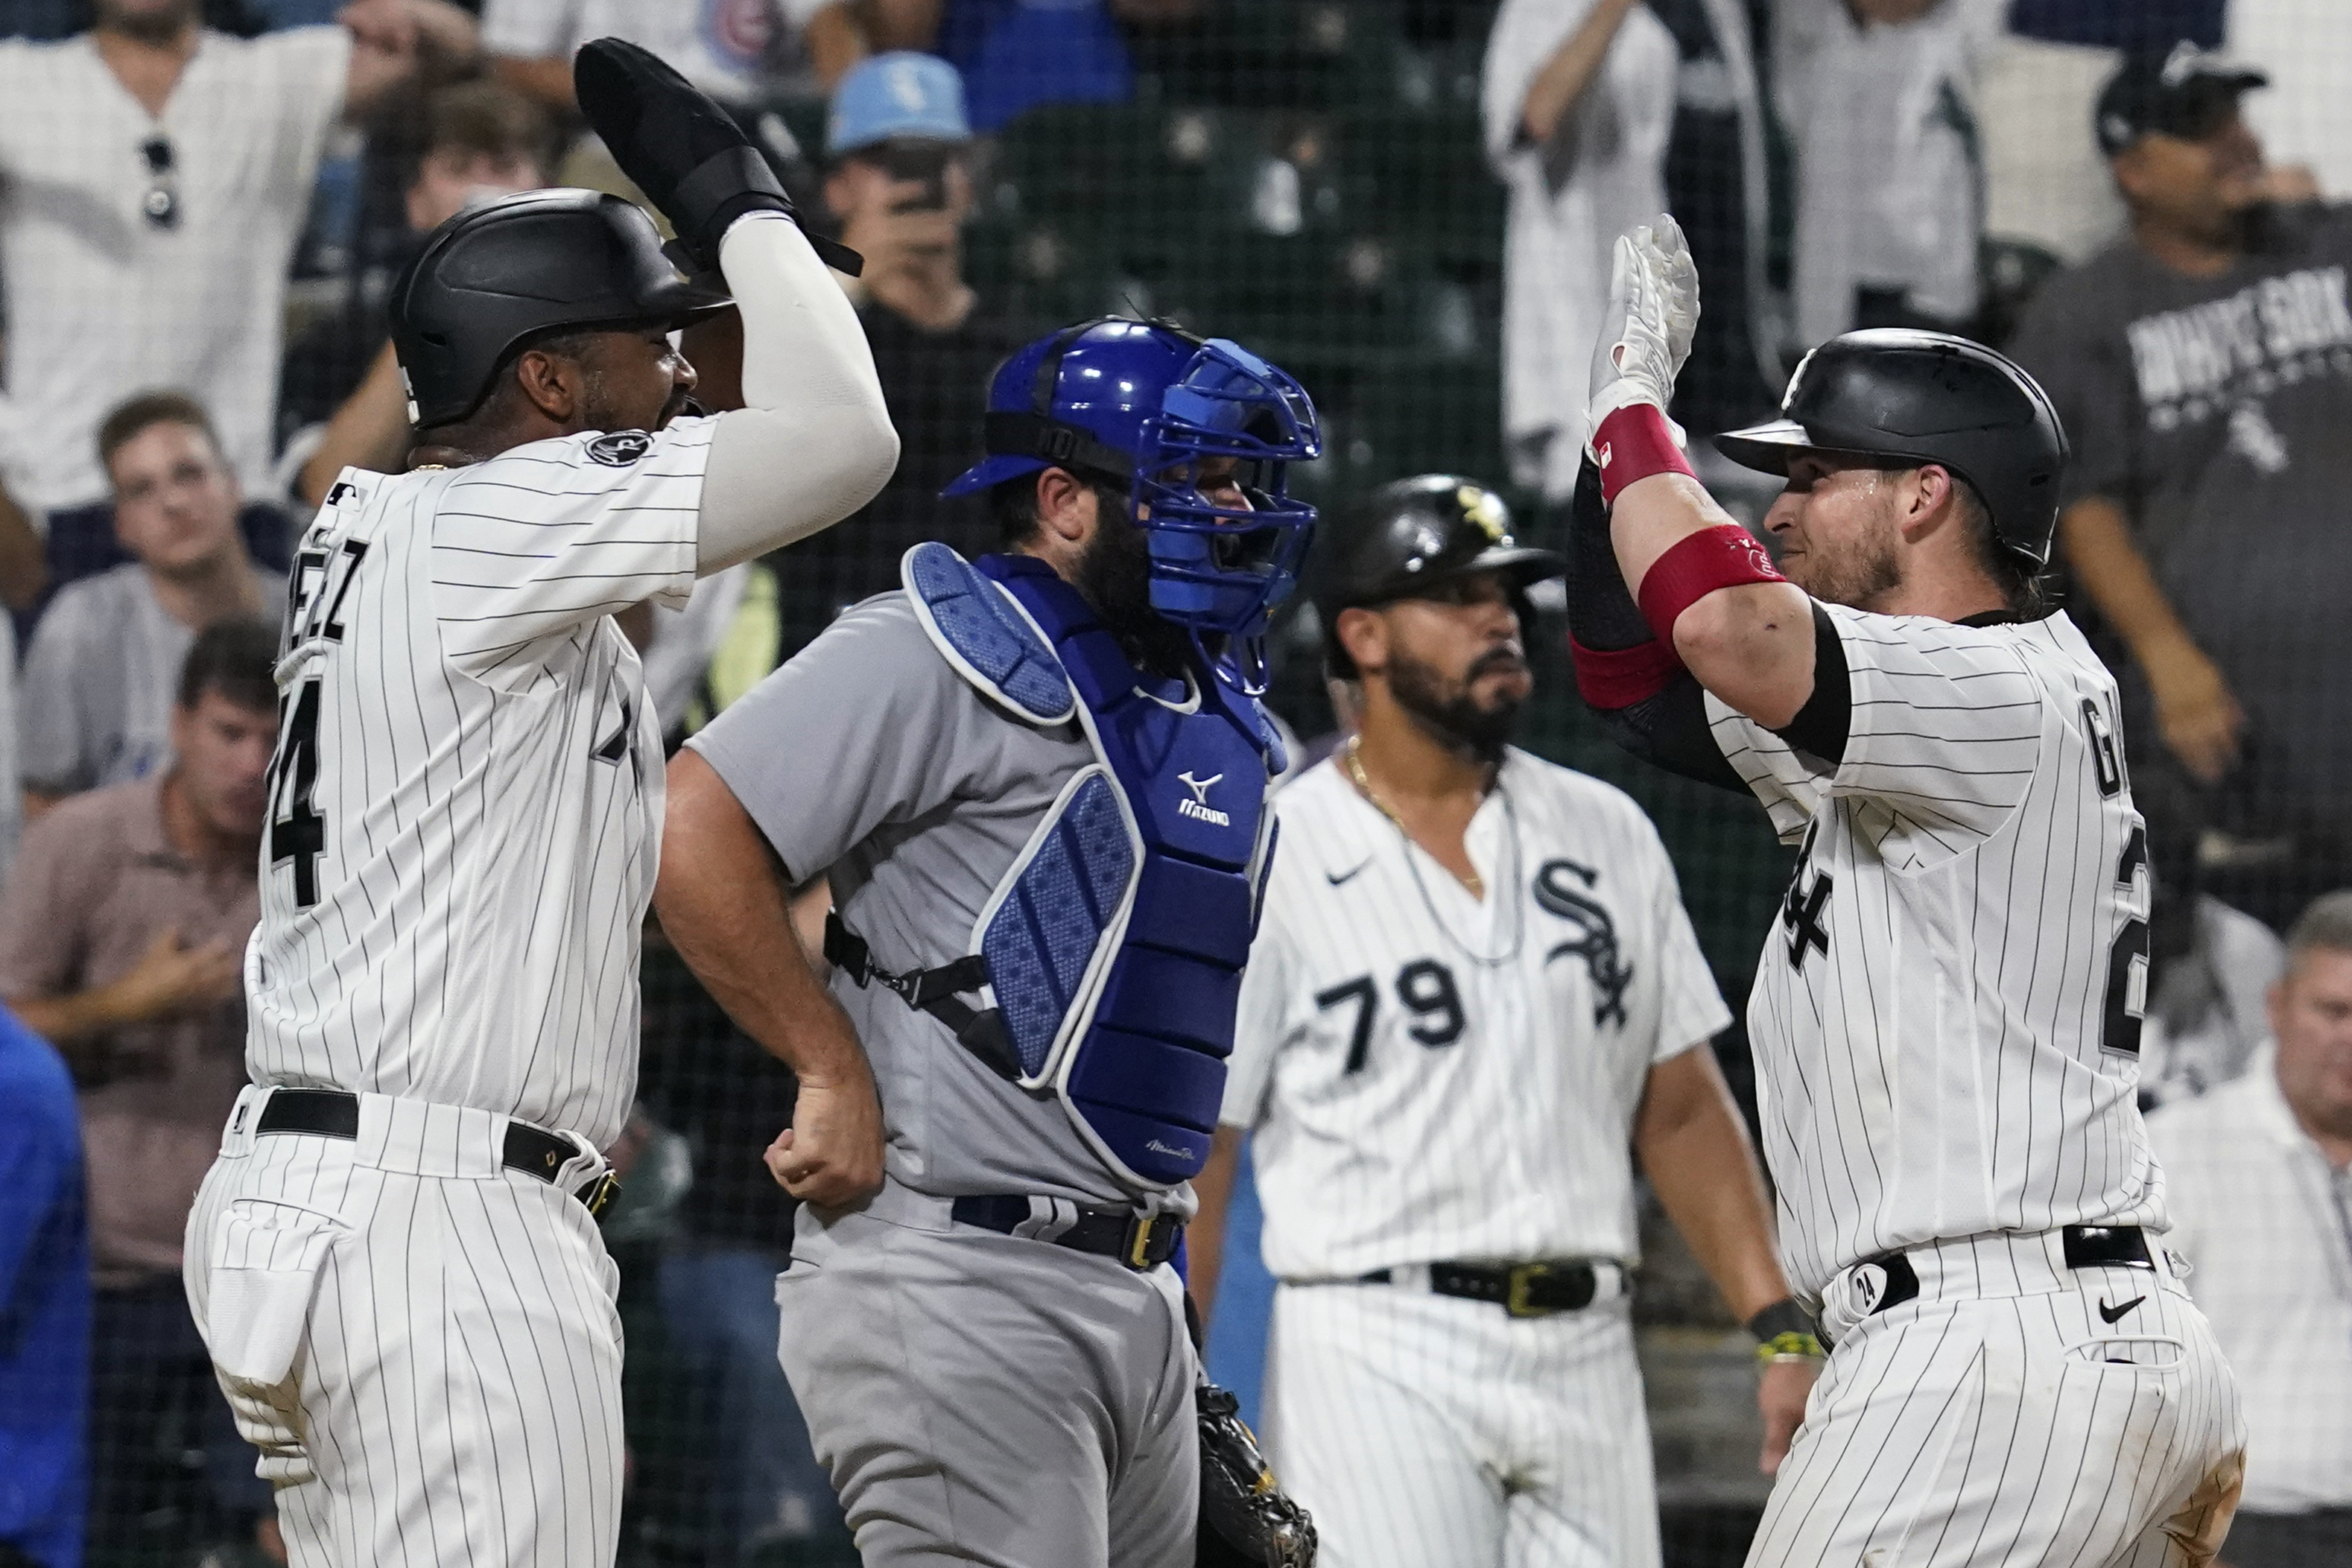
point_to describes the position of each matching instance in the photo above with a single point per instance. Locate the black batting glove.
(684, 151)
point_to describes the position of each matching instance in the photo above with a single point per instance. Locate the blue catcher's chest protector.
(1113, 948)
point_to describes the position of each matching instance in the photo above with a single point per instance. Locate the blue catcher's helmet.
(1138, 402)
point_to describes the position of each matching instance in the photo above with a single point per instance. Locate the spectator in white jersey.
(1473, 990)
(1578, 99)
(122, 931)
(2261, 1180)
(1946, 1014)
(157, 176)
(1879, 100)
(96, 705)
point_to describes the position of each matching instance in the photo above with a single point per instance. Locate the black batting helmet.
(523, 267)
(1924, 397)
(1411, 534)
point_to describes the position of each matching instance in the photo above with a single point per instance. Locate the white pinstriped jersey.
(466, 801)
(1435, 1076)
(1946, 1015)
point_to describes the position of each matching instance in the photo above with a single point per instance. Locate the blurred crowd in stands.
(204, 204)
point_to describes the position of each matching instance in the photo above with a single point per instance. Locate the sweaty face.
(175, 502)
(634, 380)
(2311, 1013)
(1457, 663)
(1834, 531)
(223, 752)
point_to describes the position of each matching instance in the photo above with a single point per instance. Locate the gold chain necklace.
(1355, 765)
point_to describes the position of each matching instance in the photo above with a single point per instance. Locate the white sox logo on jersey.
(1555, 891)
(1801, 907)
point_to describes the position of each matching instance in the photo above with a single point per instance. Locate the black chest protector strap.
(980, 1031)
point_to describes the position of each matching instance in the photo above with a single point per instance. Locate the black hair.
(234, 658)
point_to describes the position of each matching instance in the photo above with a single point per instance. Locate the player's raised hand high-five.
(1653, 316)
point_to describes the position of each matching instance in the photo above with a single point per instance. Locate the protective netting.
(1407, 205)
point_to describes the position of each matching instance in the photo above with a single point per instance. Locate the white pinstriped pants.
(1998, 1421)
(1423, 1430)
(422, 1344)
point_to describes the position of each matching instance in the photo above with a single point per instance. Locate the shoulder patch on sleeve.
(620, 448)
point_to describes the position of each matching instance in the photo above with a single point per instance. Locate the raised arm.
(369, 431)
(1704, 586)
(814, 441)
(1564, 77)
(391, 40)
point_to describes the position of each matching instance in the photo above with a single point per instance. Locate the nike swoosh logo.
(1340, 878)
(2109, 1314)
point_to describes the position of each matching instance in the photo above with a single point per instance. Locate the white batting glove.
(1645, 335)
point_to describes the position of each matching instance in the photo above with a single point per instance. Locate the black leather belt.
(334, 1113)
(1522, 1289)
(1139, 1240)
(2084, 1247)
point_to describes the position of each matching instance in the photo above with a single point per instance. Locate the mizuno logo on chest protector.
(1198, 806)
(1106, 967)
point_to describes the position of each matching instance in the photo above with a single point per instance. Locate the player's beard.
(599, 410)
(1858, 577)
(1448, 709)
(1114, 576)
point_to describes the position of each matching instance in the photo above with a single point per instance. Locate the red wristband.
(1633, 443)
(1723, 556)
(1613, 678)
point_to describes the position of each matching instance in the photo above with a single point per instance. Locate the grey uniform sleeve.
(866, 726)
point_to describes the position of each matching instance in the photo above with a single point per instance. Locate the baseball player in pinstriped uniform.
(393, 1261)
(1472, 987)
(1946, 1015)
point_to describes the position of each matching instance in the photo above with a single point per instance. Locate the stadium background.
(1308, 177)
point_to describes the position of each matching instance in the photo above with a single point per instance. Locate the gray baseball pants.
(979, 1398)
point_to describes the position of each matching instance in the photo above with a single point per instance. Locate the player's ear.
(1927, 496)
(1066, 506)
(1365, 634)
(552, 382)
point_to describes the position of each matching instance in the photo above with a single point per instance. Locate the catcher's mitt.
(1245, 1522)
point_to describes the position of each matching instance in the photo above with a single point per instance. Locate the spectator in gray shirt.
(96, 702)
